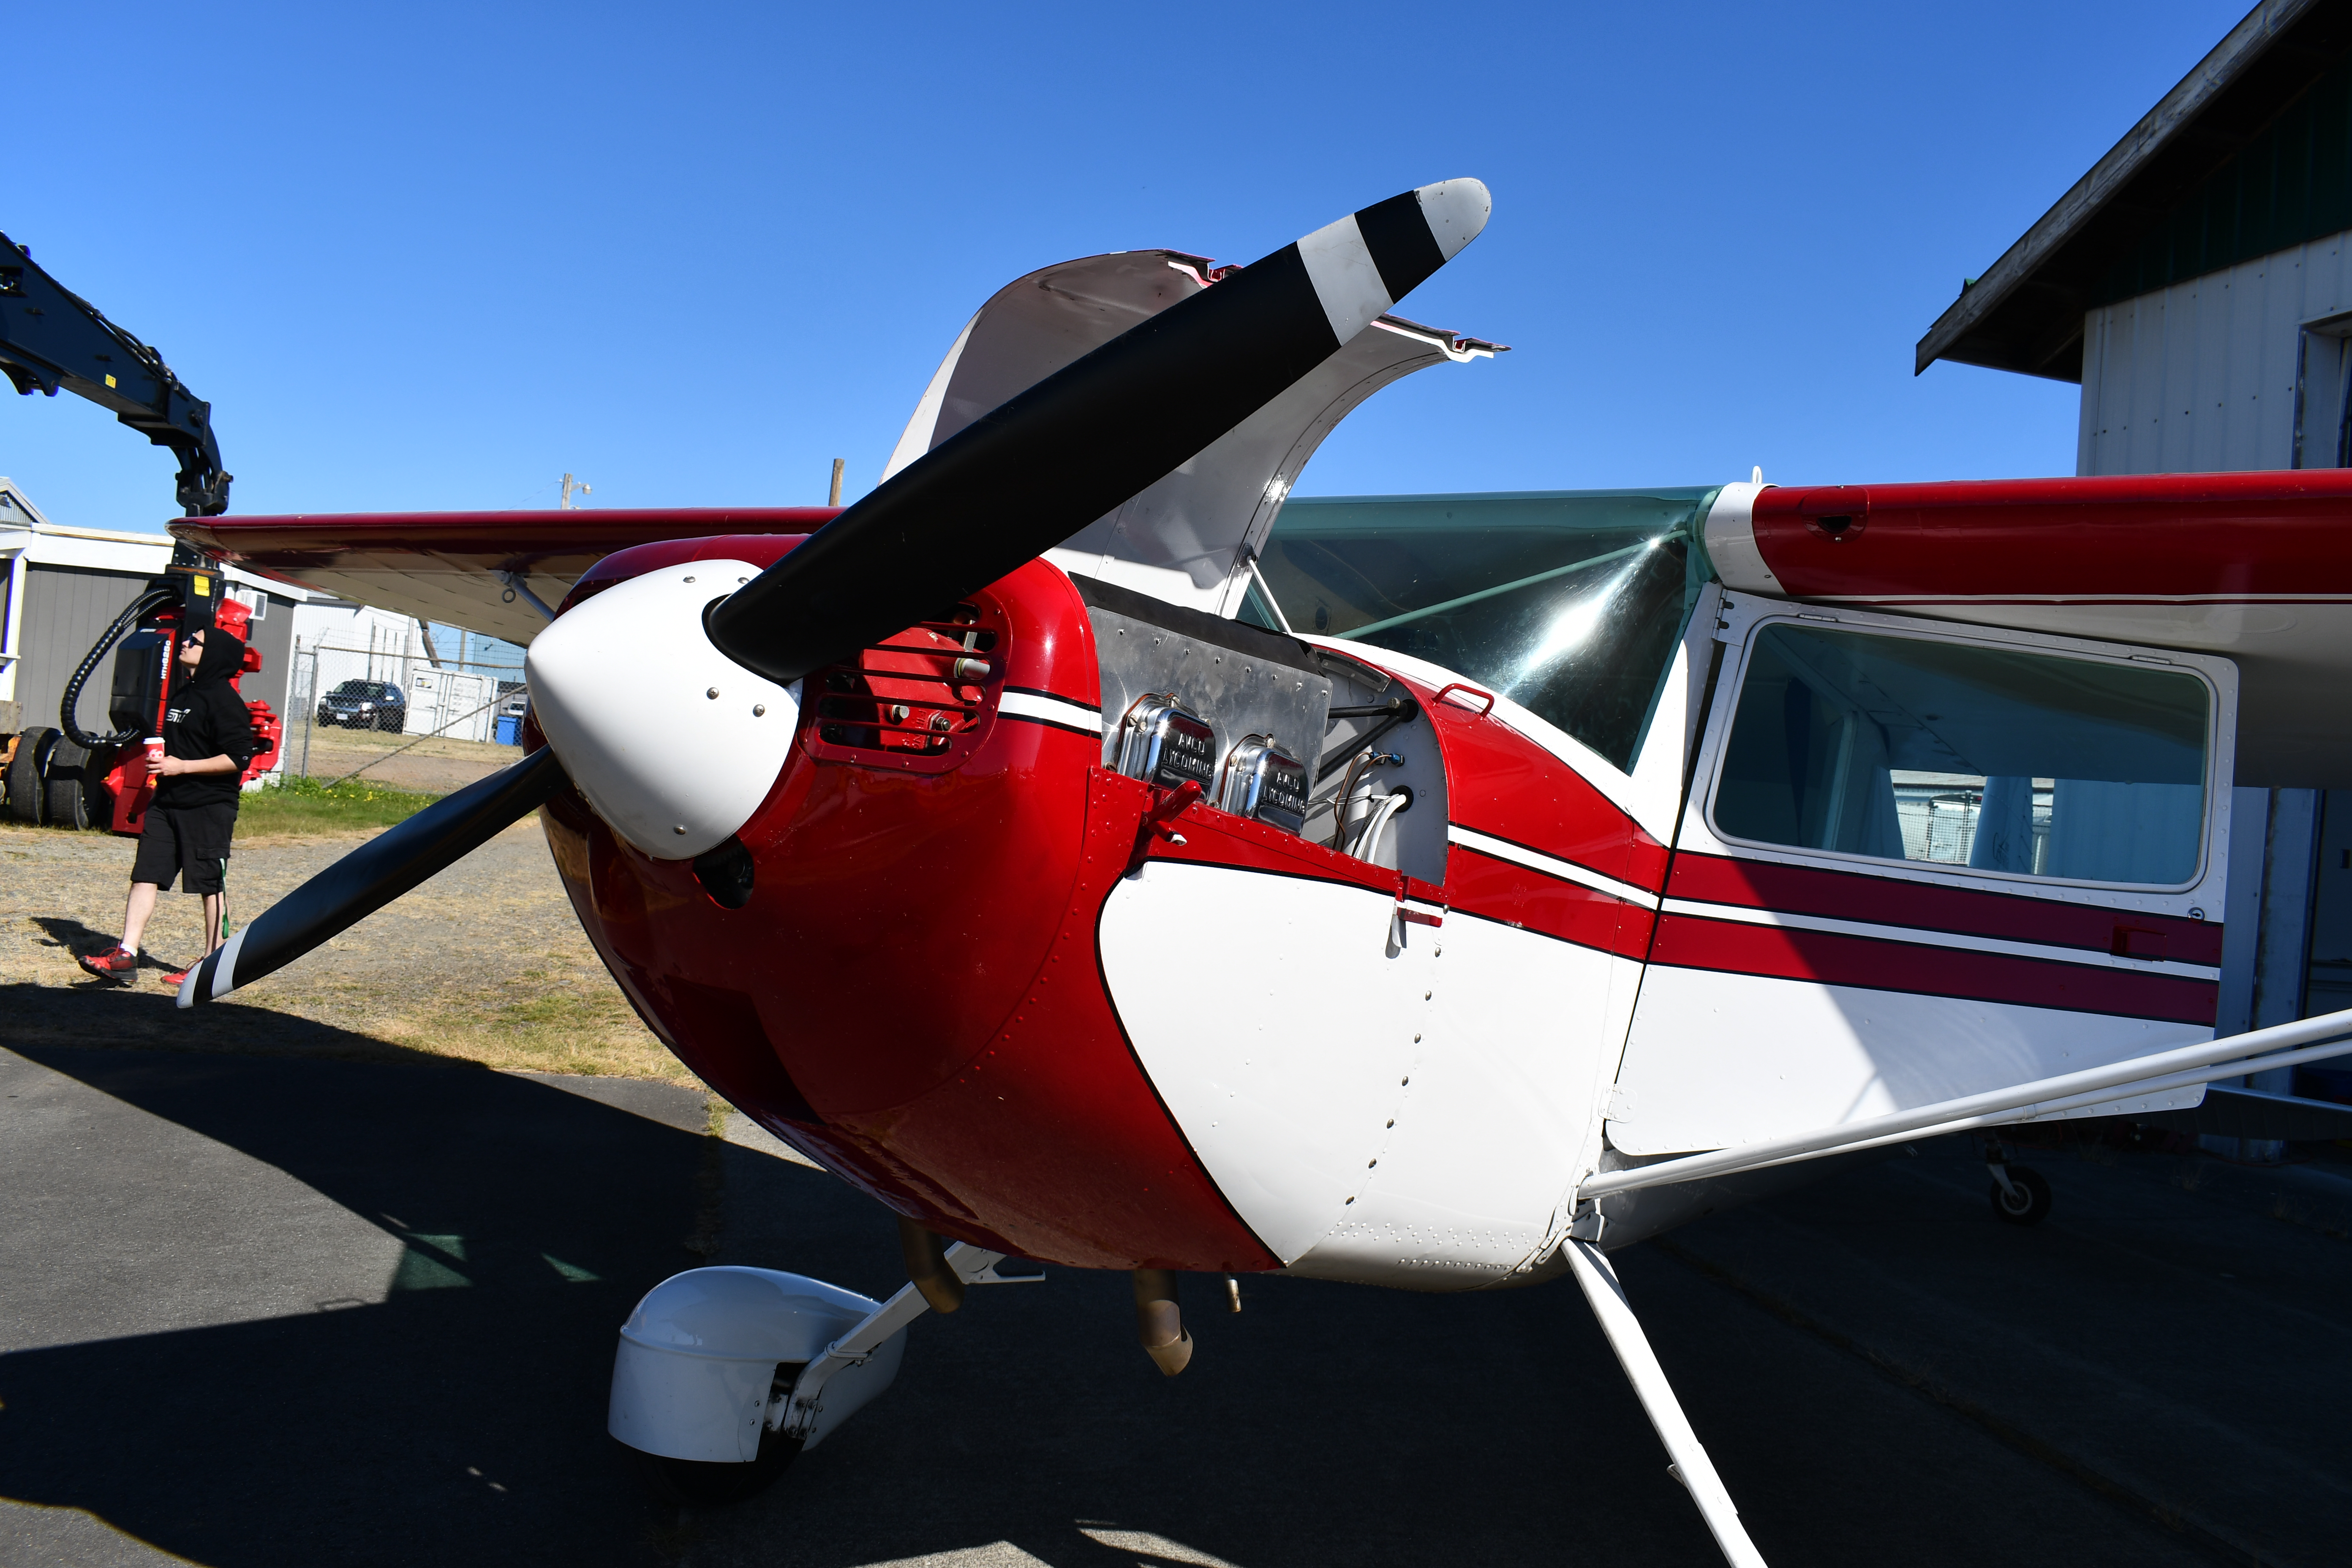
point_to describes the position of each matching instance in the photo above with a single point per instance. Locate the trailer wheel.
(67, 795)
(26, 785)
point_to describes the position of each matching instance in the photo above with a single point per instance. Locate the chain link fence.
(400, 720)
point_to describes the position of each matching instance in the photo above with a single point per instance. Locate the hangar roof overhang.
(2025, 314)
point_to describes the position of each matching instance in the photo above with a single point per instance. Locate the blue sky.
(427, 255)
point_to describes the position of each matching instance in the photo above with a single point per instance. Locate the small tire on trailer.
(68, 797)
(2029, 1205)
(697, 1483)
(27, 789)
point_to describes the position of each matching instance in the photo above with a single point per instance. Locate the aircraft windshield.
(1570, 602)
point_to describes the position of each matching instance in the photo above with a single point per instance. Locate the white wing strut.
(1691, 1465)
(2258, 1051)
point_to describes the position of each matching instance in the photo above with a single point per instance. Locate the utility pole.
(835, 499)
(569, 486)
(426, 632)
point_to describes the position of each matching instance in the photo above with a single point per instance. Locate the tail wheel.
(2028, 1204)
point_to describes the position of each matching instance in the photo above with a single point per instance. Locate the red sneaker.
(113, 964)
(173, 979)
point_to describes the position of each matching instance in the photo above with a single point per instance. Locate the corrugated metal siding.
(273, 634)
(68, 608)
(2199, 377)
(2291, 184)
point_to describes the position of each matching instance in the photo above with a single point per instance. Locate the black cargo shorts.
(191, 841)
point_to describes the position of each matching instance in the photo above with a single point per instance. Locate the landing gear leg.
(2020, 1195)
(797, 1412)
(1691, 1466)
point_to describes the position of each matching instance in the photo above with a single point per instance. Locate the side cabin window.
(1571, 603)
(2001, 759)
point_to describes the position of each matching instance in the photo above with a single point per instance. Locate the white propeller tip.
(1456, 210)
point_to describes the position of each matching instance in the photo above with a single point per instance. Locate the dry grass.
(484, 963)
(540, 1021)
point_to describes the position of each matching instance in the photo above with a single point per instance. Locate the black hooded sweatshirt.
(205, 717)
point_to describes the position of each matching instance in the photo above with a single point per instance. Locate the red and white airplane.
(1098, 865)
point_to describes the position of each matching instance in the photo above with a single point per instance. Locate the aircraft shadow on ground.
(461, 1419)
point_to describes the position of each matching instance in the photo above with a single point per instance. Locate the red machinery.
(102, 779)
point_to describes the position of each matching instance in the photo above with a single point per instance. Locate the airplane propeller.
(1023, 478)
(614, 681)
(391, 863)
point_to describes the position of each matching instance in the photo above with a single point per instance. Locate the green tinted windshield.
(1570, 602)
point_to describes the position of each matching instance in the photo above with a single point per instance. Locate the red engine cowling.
(911, 992)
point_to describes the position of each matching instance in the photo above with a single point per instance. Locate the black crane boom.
(51, 337)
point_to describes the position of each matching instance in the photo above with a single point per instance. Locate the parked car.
(365, 705)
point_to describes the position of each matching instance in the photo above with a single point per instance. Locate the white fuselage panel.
(1721, 1059)
(1276, 1016)
(1380, 1101)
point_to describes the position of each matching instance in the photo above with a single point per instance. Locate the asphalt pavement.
(272, 1311)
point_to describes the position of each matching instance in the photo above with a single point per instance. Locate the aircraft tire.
(695, 1483)
(2034, 1192)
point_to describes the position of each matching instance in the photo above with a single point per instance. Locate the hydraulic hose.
(154, 599)
(1368, 837)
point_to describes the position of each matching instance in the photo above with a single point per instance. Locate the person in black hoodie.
(208, 739)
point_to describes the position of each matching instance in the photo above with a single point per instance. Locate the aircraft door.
(1920, 860)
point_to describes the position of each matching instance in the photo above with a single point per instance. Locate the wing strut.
(1691, 1465)
(2231, 1056)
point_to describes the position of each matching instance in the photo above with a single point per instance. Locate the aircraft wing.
(479, 569)
(2254, 566)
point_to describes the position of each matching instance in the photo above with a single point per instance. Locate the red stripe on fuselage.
(1884, 900)
(1494, 888)
(1215, 838)
(1689, 941)
(1500, 783)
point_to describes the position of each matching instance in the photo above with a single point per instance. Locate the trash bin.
(510, 729)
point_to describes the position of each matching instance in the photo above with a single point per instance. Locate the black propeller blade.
(1009, 486)
(1040, 467)
(374, 874)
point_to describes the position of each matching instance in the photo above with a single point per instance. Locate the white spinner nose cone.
(1456, 211)
(673, 743)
